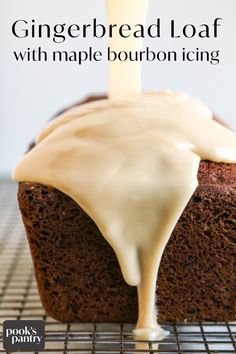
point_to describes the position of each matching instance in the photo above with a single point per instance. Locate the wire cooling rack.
(19, 299)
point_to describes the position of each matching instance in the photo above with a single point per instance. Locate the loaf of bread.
(78, 275)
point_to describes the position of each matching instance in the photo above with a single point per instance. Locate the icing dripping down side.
(145, 152)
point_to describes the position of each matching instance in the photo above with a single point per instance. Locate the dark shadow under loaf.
(78, 275)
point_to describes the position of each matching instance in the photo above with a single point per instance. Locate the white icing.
(132, 165)
(125, 77)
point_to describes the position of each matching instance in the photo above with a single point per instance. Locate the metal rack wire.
(19, 299)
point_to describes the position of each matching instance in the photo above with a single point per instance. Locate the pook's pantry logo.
(23, 335)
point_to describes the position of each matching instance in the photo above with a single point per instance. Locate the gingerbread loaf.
(78, 275)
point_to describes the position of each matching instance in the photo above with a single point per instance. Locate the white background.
(30, 93)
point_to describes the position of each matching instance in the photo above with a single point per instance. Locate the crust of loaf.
(79, 278)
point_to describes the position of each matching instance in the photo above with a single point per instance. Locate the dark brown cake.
(78, 275)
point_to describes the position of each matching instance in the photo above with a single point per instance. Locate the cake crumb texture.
(78, 275)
